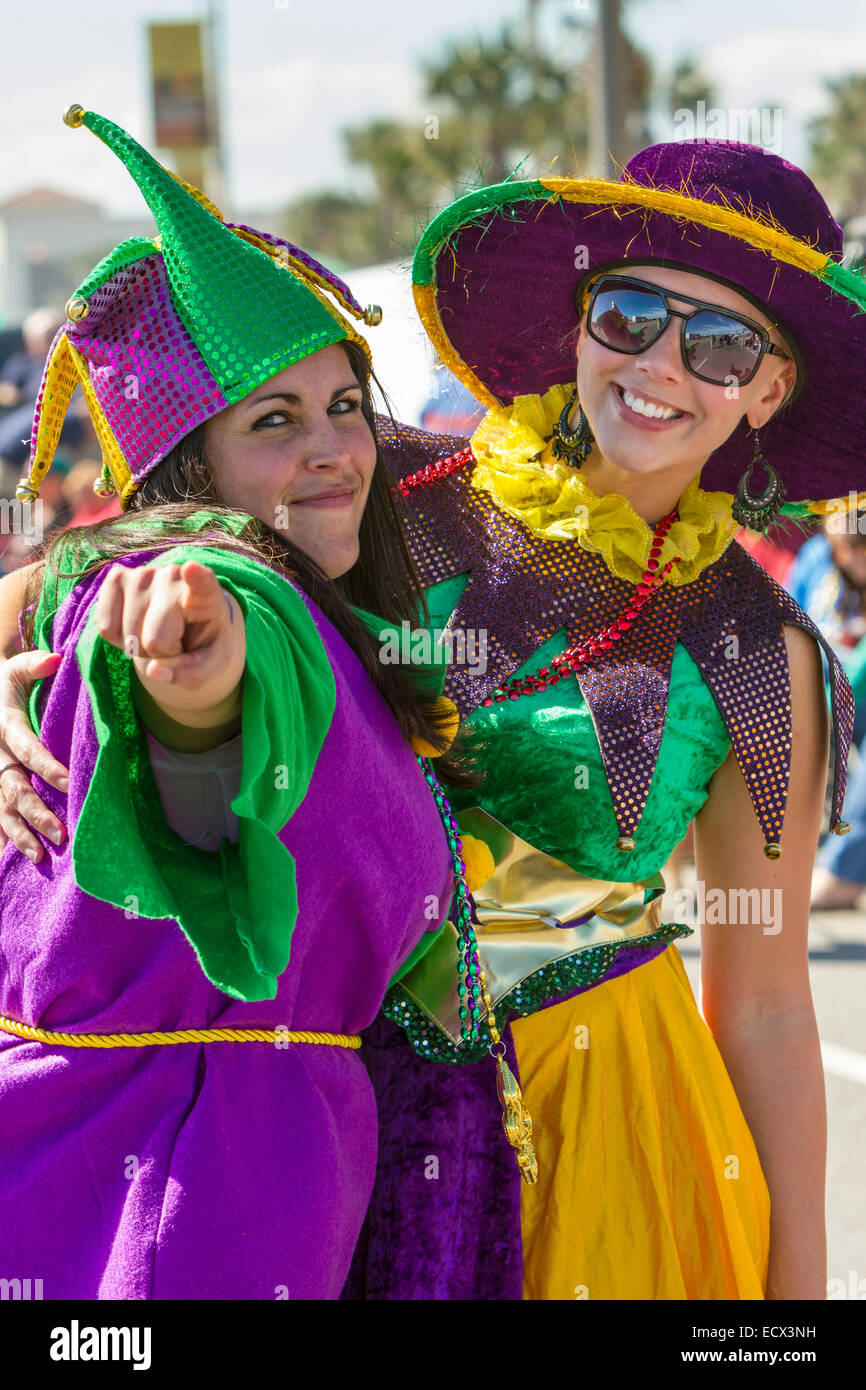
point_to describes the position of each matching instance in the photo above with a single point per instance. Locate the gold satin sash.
(532, 911)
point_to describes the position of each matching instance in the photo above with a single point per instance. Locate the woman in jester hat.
(254, 848)
(641, 345)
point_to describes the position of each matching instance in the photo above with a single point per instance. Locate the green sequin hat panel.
(248, 314)
(167, 331)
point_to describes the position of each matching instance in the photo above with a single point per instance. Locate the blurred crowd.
(66, 494)
(828, 580)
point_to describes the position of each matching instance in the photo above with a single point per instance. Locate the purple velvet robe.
(219, 1170)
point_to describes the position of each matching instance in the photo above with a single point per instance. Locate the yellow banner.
(180, 96)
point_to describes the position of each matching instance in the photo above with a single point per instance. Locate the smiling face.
(298, 454)
(610, 384)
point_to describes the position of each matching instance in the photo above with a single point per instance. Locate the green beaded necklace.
(468, 967)
(471, 983)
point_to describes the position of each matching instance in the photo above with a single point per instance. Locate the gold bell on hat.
(373, 315)
(103, 485)
(77, 308)
(26, 491)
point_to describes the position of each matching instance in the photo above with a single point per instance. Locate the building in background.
(48, 243)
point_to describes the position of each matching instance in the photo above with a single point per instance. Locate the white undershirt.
(197, 789)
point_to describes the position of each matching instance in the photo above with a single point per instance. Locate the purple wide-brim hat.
(495, 277)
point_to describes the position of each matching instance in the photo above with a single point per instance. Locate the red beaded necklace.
(577, 655)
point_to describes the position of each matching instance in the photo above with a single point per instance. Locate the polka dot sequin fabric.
(523, 589)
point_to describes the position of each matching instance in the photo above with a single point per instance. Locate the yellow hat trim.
(60, 382)
(112, 455)
(428, 312)
(755, 227)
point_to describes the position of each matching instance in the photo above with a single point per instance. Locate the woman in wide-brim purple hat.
(661, 358)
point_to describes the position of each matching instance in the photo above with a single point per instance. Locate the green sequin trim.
(844, 280)
(586, 967)
(466, 210)
(135, 249)
(247, 316)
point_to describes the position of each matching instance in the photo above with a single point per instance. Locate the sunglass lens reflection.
(721, 349)
(627, 320)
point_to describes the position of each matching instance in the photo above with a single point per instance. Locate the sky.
(295, 74)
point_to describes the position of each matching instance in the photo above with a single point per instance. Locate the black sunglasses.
(629, 315)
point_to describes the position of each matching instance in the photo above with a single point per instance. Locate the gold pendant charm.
(516, 1119)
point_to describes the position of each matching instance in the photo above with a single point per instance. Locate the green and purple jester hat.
(167, 331)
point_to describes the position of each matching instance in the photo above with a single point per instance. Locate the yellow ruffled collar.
(515, 464)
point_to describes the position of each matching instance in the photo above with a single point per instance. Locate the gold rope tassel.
(516, 1119)
(25, 1030)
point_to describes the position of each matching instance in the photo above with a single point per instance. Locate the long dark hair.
(383, 580)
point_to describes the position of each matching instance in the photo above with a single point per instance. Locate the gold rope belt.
(25, 1030)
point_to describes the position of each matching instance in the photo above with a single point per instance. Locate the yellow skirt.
(649, 1184)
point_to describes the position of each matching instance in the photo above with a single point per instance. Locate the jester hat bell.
(167, 331)
(495, 276)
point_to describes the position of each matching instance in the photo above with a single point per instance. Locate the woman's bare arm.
(756, 995)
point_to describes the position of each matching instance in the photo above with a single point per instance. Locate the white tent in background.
(402, 353)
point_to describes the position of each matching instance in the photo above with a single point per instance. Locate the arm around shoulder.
(13, 591)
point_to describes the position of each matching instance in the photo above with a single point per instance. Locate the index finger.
(24, 747)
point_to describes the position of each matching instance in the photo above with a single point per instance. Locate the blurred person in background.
(20, 379)
(777, 550)
(21, 374)
(25, 532)
(828, 580)
(8, 483)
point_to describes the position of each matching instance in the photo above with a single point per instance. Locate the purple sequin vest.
(522, 589)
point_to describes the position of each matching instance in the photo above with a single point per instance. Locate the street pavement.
(837, 955)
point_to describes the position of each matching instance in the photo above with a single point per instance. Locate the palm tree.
(508, 97)
(500, 105)
(686, 86)
(342, 228)
(838, 146)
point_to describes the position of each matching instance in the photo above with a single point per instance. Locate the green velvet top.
(562, 802)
